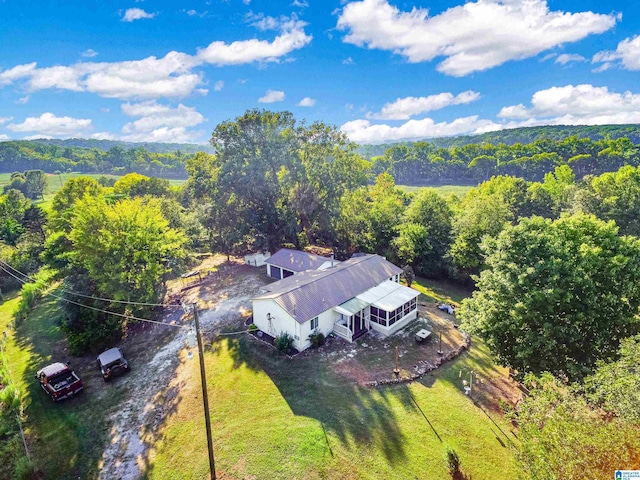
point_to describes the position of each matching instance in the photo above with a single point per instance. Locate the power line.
(93, 308)
(111, 300)
(106, 300)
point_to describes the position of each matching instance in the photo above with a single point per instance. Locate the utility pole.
(205, 396)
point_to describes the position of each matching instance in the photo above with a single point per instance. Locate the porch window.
(314, 323)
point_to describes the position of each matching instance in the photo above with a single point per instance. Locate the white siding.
(325, 325)
(281, 321)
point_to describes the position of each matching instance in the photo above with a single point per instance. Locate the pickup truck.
(59, 381)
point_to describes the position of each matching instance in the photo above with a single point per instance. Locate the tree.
(13, 206)
(64, 200)
(35, 184)
(122, 251)
(561, 437)
(615, 386)
(429, 210)
(557, 295)
(477, 217)
(413, 246)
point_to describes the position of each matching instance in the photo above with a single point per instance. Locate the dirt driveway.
(220, 299)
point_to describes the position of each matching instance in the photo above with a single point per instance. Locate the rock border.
(424, 367)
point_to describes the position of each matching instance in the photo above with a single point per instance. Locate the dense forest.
(51, 158)
(104, 145)
(555, 261)
(519, 135)
(459, 160)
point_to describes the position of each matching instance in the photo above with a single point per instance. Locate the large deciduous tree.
(122, 251)
(557, 295)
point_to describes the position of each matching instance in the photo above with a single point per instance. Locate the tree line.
(54, 158)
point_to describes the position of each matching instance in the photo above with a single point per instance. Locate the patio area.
(371, 358)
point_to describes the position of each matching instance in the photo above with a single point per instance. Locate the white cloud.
(219, 85)
(246, 2)
(627, 54)
(300, 3)
(152, 77)
(155, 115)
(191, 12)
(472, 37)
(348, 61)
(362, 131)
(5, 119)
(548, 56)
(171, 76)
(48, 125)
(263, 23)
(24, 100)
(132, 14)
(292, 37)
(16, 73)
(164, 134)
(578, 105)
(104, 136)
(405, 108)
(272, 96)
(4, 137)
(306, 102)
(160, 121)
(89, 53)
(565, 58)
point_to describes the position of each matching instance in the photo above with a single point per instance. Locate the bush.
(253, 327)
(31, 293)
(284, 342)
(9, 398)
(25, 469)
(453, 461)
(316, 338)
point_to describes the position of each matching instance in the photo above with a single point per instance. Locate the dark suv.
(112, 362)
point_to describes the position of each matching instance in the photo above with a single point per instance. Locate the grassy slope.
(444, 190)
(66, 439)
(275, 418)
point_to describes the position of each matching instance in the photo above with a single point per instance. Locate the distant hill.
(105, 145)
(522, 135)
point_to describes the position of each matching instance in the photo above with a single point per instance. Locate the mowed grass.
(444, 190)
(276, 418)
(55, 183)
(65, 439)
(441, 291)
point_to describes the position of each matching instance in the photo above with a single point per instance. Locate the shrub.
(453, 461)
(9, 398)
(25, 469)
(284, 342)
(253, 327)
(316, 338)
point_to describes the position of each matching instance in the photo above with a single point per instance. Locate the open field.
(444, 190)
(55, 182)
(273, 417)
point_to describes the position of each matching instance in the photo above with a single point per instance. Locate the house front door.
(358, 325)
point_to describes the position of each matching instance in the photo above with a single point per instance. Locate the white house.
(286, 262)
(348, 299)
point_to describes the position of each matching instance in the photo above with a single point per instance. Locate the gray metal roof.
(109, 356)
(296, 260)
(308, 294)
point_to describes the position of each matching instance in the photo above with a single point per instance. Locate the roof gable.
(308, 294)
(296, 260)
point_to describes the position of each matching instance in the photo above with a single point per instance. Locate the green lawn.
(55, 182)
(444, 190)
(66, 440)
(279, 419)
(441, 290)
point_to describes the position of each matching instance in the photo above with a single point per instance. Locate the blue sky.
(380, 70)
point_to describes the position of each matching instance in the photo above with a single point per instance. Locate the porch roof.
(388, 295)
(352, 306)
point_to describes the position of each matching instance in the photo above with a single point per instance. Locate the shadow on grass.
(312, 389)
(67, 439)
